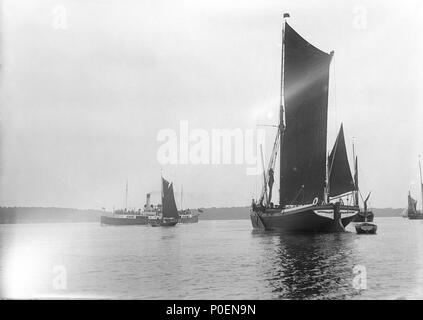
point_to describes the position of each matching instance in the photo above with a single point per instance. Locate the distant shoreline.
(16, 215)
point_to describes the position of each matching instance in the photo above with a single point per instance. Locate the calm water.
(208, 260)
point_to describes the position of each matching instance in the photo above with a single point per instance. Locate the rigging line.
(362, 198)
(282, 115)
(264, 177)
(271, 164)
(126, 194)
(301, 191)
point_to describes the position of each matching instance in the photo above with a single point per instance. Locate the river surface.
(221, 259)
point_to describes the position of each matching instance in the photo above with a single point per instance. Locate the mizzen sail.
(303, 143)
(340, 178)
(169, 209)
(412, 204)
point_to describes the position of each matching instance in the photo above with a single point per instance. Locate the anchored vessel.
(365, 215)
(312, 185)
(168, 216)
(412, 211)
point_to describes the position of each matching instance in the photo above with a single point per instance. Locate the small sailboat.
(168, 217)
(366, 227)
(412, 212)
(312, 185)
(365, 215)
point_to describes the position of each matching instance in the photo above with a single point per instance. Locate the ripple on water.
(219, 260)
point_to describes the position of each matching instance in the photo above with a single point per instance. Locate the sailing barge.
(168, 217)
(312, 185)
(412, 212)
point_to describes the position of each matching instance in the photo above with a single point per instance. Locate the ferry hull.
(115, 221)
(193, 219)
(312, 218)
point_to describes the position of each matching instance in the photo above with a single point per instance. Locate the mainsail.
(169, 209)
(303, 143)
(340, 178)
(412, 204)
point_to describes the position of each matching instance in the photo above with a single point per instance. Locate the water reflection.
(211, 260)
(309, 266)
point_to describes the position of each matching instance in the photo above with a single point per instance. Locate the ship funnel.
(147, 201)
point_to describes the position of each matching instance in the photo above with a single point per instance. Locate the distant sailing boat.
(365, 215)
(412, 211)
(169, 213)
(309, 180)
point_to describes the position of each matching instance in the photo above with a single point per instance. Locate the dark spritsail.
(169, 209)
(412, 204)
(340, 178)
(303, 147)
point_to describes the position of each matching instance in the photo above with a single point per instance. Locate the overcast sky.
(86, 86)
